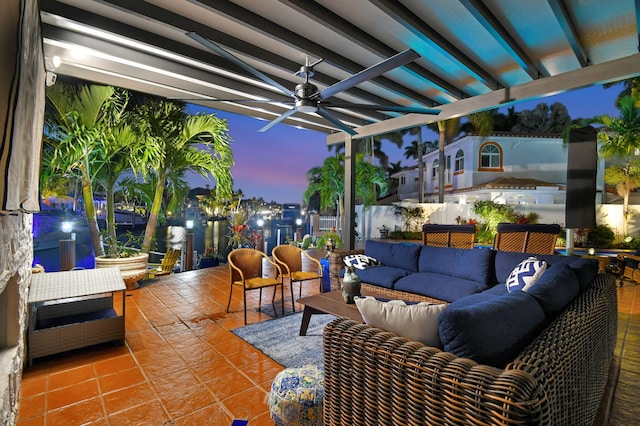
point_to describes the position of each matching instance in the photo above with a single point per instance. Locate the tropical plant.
(620, 139)
(199, 143)
(118, 248)
(322, 240)
(493, 213)
(77, 135)
(601, 236)
(328, 181)
(240, 234)
(412, 216)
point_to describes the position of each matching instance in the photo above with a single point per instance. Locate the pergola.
(474, 54)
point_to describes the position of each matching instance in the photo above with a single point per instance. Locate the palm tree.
(543, 119)
(77, 130)
(199, 143)
(328, 181)
(621, 139)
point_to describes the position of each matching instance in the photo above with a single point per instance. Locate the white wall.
(370, 219)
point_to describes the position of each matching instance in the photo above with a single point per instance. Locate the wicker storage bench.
(71, 310)
(375, 377)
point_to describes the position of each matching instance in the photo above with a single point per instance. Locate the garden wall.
(370, 219)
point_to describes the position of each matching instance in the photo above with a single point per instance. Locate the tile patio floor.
(181, 365)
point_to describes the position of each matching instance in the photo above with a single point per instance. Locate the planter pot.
(207, 262)
(132, 268)
(384, 233)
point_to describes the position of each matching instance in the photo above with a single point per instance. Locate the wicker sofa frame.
(375, 377)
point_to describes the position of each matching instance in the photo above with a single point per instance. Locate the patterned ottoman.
(297, 396)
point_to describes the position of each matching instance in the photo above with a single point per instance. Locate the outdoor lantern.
(298, 221)
(591, 251)
(260, 222)
(66, 226)
(189, 223)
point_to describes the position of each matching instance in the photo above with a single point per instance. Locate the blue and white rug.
(279, 339)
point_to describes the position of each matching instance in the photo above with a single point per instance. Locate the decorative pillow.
(360, 261)
(525, 274)
(417, 322)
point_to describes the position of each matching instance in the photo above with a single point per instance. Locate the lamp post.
(260, 243)
(67, 247)
(188, 246)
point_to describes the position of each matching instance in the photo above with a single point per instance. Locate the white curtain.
(22, 100)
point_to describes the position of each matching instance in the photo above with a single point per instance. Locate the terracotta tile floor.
(181, 365)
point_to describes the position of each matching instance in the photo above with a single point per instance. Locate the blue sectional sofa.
(535, 357)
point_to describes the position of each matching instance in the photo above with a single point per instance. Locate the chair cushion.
(403, 256)
(417, 321)
(525, 274)
(360, 261)
(491, 331)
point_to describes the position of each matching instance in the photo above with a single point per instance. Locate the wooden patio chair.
(297, 265)
(166, 265)
(252, 269)
(458, 236)
(629, 267)
(527, 238)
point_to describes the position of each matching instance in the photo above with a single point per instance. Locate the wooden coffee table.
(327, 303)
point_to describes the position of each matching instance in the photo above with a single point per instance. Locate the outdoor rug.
(279, 339)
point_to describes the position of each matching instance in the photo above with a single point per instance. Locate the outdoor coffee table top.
(332, 303)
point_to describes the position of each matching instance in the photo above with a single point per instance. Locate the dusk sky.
(274, 164)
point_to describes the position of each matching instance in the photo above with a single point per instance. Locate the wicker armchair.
(297, 265)
(629, 267)
(248, 268)
(458, 236)
(527, 238)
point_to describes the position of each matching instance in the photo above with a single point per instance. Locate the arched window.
(491, 157)
(434, 169)
(459, 161)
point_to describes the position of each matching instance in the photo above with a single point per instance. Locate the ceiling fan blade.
(240, 101)
(371, 72)
(220, 51)
(393, 108)
(279, 119)
(335, 121)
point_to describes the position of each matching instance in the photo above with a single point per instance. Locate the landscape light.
(189, 224)
(260, 222)
(298, 221)
(66, 226)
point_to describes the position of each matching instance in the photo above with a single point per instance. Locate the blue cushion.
(469, 264)
(506, 261)
(438, 286)
(496, 290)
(525, 274)
(586, 271)
(555, 289)
(383, 276)
(493, 331)
(403, 256)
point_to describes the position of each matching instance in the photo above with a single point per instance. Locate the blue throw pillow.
(525, 274)
(360, 261)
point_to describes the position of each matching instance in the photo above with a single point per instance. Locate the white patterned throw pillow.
(360, 261)
(525, 274)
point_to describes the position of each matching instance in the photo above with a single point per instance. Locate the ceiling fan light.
(307, 108)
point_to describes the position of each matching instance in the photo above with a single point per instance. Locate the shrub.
(601, 237)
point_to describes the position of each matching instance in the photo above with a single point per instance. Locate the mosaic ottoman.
(296, 396)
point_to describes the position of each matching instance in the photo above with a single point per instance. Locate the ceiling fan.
(308, 98)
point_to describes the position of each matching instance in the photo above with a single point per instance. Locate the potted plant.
(122, 254)
(209, 258)
(384, 231)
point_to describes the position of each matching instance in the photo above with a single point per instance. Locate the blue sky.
(274, 164)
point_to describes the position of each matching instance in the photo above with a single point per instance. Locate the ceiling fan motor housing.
(307, 97)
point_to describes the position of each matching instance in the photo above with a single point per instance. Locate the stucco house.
(503, 167)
